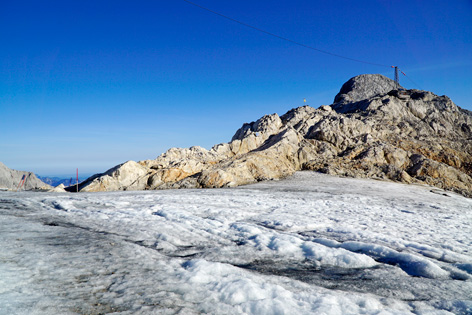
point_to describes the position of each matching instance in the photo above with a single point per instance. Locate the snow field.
(311, 244)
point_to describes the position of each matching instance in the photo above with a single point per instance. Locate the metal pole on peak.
(397, 80)
(401, 91)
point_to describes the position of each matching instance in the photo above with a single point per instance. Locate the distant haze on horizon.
(93, 84)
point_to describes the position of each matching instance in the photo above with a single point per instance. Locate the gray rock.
(10, 179)
(364, 86)
(360, 88)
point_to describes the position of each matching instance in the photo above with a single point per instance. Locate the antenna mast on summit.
(397, 80)
(401, 91)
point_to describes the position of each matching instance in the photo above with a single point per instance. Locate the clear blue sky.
(91, 84)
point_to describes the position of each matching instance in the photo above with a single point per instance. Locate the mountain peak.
(363, 87)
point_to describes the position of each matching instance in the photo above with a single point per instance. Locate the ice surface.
(310, 244)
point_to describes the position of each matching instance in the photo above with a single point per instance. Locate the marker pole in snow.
(21, 183)
(77, 180)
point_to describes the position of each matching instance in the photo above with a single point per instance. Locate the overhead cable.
(413, 81)
(284, 38)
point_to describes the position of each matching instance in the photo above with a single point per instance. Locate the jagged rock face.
(368, 132)
(128, 175)
(10, 179)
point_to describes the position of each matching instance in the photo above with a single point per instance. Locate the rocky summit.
(371, 130)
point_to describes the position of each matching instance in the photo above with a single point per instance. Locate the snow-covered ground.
(310, 244)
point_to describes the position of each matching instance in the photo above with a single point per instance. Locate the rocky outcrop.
(369, 131)
(10, 179)
(58, 188)
(363, 87)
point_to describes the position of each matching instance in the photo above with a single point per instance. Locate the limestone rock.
(127, 176)
(9, 179)
(364, 86)
(370, 131)
(250, 136)
(58, 188)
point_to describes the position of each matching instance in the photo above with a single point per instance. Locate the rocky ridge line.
(369, 131)
(10, 179)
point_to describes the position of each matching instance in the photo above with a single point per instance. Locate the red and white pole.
(77, 180)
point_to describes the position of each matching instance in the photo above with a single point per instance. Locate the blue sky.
(91, 84)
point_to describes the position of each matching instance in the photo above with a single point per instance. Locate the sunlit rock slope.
(371, 130)
(10, 179)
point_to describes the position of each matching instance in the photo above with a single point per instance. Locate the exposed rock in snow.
(368, 132)
(10, 179)
(127, 176)
(58, 188)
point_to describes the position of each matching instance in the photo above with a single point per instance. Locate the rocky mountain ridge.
(10, 179)
(371, 130)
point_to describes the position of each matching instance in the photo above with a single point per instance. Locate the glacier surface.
(309, 244)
